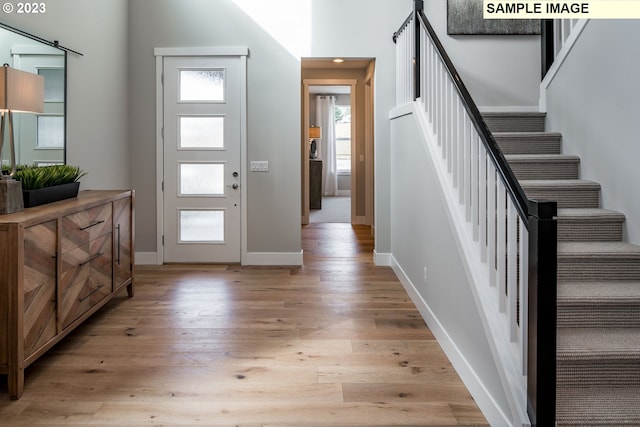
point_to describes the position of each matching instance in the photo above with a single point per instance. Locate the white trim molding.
(561, 56)
(490, 409)
(382, 259)
(201, 51)
(160, 53)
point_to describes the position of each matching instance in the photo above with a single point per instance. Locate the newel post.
(541, 363)
(547, 48)
(418, 6)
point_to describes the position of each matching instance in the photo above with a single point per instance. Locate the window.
(50, 132)
(343, 138)
(201, 85)
(53, 84)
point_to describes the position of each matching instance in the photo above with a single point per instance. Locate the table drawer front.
(39, 285)
(82, 227)
(86, 278)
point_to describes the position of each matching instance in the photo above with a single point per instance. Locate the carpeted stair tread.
(569, 193)
(589, 224)
(598, 262)
(598, 352)
(598, 292)
(590, 344)
(528, 142)
(598, 357)
(598, 406)
(598, 304)
(544, 166)
(598, 249)
(514, 121)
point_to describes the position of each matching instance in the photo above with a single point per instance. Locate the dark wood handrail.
(539, 218)
(515, 191)
(402, 27)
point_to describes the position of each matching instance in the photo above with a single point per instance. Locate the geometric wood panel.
(86, 277)
(122, 259)
(39, 285)
(56, 267)
(83, 227)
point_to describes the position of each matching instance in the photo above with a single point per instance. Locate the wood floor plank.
(335, 342)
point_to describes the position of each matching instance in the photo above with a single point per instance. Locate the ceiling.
(328, 64)
(333, 90)
(323, 63)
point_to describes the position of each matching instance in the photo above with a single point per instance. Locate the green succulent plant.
(34, 177)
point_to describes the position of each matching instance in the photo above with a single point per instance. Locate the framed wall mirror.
(40, 139)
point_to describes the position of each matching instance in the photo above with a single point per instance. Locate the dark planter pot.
(51, 194)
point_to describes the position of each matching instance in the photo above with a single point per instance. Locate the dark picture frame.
(464, 17)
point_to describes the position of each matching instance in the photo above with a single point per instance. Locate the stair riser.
(589, 230)
(510, 145)
(515, 123)
(598, 269)
(536, 170)
(599, 315)
(600, 372)
(566, 198)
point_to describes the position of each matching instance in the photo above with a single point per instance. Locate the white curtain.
(325, 118)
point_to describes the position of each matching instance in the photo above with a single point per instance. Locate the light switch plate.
(259, 166)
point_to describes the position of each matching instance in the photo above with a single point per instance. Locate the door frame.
(306, 83)
(160, 54)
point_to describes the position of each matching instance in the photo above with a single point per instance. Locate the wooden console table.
(59, 263)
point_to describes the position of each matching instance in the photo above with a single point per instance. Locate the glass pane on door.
(202, 179)
(201, 132)
(201, 85)
(201, 226)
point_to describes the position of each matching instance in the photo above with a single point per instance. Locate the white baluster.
(475, 183)
(512, 270)
(524, 294)
(501, 243)
(482, 207)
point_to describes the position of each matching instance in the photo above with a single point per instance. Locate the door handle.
(235, 186)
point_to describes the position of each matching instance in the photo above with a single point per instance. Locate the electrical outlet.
(425, 275)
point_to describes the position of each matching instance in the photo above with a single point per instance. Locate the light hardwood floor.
(336, 342)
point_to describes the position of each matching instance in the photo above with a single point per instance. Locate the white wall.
(273, 113)
(593, 101)
(356, 28)
(501, 72)
(423, 237)
(97, 107)
(361, 28)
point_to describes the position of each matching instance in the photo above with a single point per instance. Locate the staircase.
(598, 359)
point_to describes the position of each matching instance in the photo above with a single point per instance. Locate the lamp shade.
(315, 132)
(21, 91)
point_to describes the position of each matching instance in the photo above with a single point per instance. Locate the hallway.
(333, 343)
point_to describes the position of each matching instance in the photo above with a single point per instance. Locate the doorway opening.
(337, 141)
(331, 140)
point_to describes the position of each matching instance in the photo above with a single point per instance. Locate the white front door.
(202, 140)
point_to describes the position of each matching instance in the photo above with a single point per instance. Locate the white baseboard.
(147, 258)
(492, 412)
(251, 258)
(272, 258)
(381, 260)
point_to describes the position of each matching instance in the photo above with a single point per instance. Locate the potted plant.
(46, 184)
